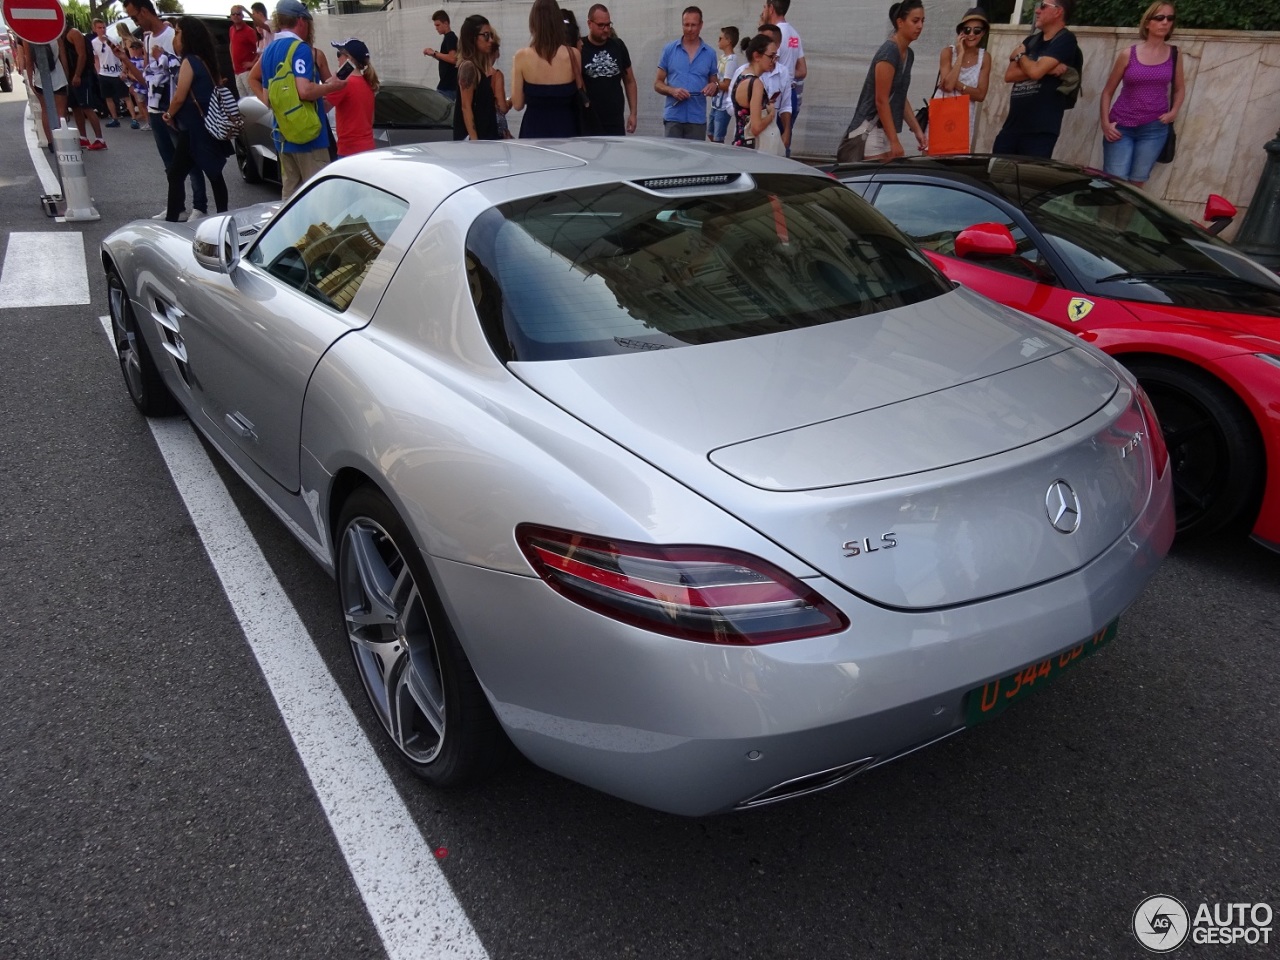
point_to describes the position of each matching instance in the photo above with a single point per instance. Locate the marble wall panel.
(1231, 109)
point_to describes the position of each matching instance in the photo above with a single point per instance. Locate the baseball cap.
(293, 8)
(356, 49)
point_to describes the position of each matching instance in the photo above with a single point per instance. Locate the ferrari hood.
(951, 418)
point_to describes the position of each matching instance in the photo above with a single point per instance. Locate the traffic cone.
(75, 184)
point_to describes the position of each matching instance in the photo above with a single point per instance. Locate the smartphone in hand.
(345, 70)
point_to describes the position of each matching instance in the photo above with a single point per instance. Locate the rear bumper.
(695, 729)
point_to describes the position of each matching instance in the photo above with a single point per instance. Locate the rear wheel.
(244, 160)
(417, 678)
(1214, 447)
(141, 378)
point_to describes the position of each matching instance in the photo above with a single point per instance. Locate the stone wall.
(1231, 110)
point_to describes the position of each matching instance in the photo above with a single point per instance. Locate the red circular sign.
(36, 21)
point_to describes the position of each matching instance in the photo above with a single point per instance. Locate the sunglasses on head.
(973, 31)
(1162, 17)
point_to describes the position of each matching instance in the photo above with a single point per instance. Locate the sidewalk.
(127, 180)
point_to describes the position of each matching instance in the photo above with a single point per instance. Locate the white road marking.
(412, 906)
(44, 270)
(40, 157)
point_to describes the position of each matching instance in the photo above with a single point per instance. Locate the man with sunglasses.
(606, 75)
(1035, 69)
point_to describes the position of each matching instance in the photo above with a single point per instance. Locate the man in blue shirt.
(687, 75)
(298, 161)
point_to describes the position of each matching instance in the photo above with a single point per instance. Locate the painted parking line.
(412, 906)
(44, 270)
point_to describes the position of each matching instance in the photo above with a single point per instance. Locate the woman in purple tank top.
(1135, 126)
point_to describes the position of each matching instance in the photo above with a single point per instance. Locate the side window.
(325, 243)
(934, 216)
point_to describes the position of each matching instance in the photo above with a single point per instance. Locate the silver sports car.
(676, 466)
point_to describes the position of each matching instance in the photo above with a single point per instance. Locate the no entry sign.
(36, 21)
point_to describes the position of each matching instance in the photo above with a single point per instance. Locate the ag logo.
(1161, 924)
(1078, 308)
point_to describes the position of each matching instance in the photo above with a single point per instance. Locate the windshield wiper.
(1187, 275)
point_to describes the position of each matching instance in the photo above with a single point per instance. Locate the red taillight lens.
(708, 594)
(1159, 450)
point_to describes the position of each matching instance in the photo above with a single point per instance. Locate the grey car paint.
(405, 391)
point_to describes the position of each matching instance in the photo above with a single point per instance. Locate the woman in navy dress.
(545, 76)
(195, 147)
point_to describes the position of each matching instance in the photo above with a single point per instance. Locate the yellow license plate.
(992, 699)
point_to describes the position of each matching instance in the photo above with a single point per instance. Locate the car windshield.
(617, 268)
(1123, 244)
(397, 105)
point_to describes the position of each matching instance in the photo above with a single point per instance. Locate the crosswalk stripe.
(44, 270)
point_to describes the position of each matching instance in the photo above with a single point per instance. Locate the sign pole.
(46, 84)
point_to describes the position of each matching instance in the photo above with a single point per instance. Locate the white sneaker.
(164, 215)
(195, 215)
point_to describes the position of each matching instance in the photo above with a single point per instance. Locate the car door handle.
(241, 427)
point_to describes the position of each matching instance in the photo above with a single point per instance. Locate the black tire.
(141, 378)
(1214, 446)
(6, 83)
(245, 161)
(414, 671)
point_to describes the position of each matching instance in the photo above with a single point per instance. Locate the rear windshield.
(616, 269)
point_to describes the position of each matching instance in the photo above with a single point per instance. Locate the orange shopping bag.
(948, 125)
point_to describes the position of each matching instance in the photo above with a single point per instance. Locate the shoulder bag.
(1170, 149)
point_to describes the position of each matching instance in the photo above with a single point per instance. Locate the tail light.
(706, 594)
(1159, 449)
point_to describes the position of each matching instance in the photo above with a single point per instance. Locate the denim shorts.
(719, 124)
(1134, 154)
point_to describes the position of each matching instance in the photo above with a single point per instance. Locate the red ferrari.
(1195, 320)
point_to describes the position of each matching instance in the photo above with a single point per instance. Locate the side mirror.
(216, 245)
(1218, 213)
(985, 240)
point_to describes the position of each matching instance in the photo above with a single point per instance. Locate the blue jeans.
(719, 124)
(1134, 154)
(164, 143)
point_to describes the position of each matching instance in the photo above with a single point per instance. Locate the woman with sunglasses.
(883, 100)
(964, 69)
(754, 111)
(1136, 125)
(476, 116)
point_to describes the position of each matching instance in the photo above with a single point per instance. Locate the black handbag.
(1170, 148)
(922, 115)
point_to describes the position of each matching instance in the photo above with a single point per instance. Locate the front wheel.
(417, 678)
(1214, 447)
(141, 378)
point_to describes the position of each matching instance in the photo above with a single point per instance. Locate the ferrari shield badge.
(1078, 308)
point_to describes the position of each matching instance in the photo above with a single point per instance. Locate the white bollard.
(75, 185)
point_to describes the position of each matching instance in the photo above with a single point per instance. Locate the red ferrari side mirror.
(1218, 213)
(985, 240)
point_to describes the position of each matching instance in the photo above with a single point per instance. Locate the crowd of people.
(747, 92)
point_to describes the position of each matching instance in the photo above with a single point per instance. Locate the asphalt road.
(154, 804)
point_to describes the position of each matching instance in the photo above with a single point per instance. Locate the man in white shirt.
(790, 55)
